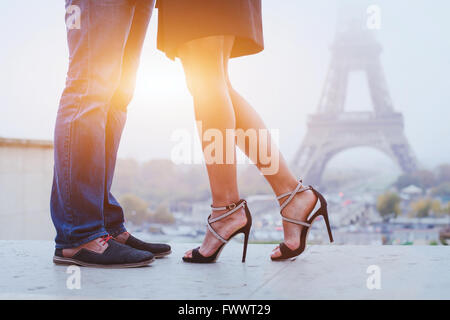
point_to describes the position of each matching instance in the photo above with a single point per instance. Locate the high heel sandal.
(197, 257)
(286, 252)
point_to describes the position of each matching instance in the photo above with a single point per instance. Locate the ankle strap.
(291, 194)
(299, 189)
(233, 207)
(281, 196)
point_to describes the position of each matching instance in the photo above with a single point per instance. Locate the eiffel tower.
(332, 129)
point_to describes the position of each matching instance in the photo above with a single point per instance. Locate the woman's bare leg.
(282, 180)
(202, 61)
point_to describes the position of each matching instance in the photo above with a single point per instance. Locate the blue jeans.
(104, 57)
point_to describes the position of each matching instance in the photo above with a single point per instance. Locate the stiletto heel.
(327, 223)
(244, 252)
(197, 257)
(286, 252)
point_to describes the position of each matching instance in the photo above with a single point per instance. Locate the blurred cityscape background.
(164, 201)
(383, 166)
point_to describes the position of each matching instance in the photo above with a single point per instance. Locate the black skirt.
(180, 21)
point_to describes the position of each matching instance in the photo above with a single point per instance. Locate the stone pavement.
(323, 272)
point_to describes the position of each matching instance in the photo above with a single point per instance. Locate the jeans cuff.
(117, 230)
(81, 242)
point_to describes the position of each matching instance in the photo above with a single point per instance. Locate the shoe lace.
(105, 239)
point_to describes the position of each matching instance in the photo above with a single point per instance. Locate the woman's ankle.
(224, 200)
(284, 186)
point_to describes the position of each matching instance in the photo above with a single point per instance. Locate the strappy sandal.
(197, 257)
(286, 252)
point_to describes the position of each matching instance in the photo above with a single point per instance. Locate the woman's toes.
(276, 253)
(188, 254)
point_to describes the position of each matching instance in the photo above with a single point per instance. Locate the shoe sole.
(68, 261)
(162, 254)
(300, 256)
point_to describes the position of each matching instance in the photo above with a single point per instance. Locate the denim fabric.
(103, 59)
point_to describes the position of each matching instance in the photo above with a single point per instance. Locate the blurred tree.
(426, 178)
(192, 183)
(444, 234)
(388, 204)
(126, 176)
(436, 207)
(443, 173)
(158, 179)
(162, 215)
(424, 207)
(251, 182)
(421, 178)
(446, 208)
(442, 190)
(135, 209)
(406, 180)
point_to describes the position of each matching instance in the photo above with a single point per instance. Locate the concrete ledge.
(25, 143)
(324, 272)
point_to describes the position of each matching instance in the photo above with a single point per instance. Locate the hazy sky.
(283, 83)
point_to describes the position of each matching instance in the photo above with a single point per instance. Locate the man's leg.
(113, 213)
(96, 50)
